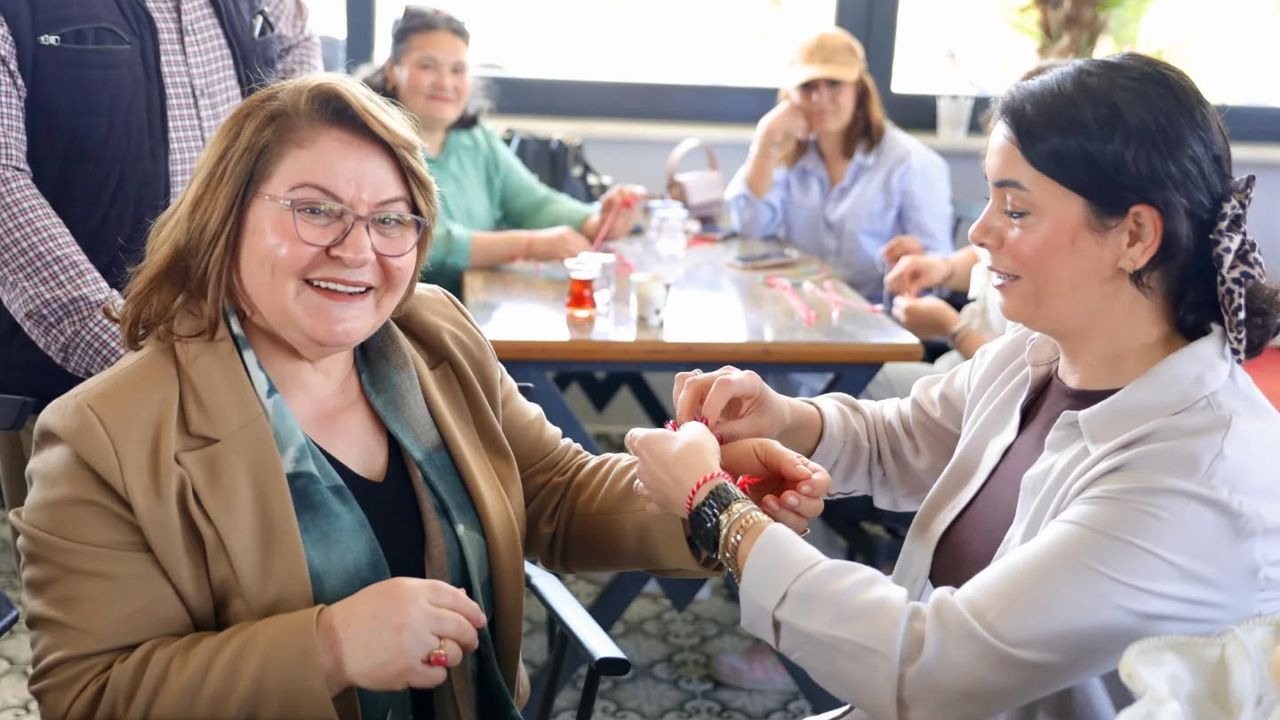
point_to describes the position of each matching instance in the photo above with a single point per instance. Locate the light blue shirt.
(900, 187)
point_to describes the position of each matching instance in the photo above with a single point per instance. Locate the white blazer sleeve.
(1132, 556)
(893, 450)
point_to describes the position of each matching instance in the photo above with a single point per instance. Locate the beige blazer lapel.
(240, 482)
(451, 411)
(235, 472)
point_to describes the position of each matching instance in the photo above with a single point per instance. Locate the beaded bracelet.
(729, 545)
(732, 514)
(688, 501)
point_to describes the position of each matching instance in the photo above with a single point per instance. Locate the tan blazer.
(164, 573)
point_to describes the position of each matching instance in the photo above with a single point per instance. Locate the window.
(328, 19)
(980, 47)
(549, 58)
(621, 41)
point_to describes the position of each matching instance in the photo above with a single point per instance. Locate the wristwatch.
(704, 521)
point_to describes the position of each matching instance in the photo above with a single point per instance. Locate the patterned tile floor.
(15, 646)
(670, 654)
(669, 651)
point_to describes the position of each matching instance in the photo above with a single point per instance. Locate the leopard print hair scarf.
(1238, 261)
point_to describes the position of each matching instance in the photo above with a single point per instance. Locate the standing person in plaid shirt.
(104, 108)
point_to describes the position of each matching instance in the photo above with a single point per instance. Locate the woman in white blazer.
(1104, 472)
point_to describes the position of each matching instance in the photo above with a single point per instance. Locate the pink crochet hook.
(831, 293)
(783, 285)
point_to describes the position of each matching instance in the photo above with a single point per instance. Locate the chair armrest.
(14, 411)
(603, 653)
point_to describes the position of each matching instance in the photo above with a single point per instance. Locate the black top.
(391, 507)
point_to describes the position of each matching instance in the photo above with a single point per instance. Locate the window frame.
(875, 22)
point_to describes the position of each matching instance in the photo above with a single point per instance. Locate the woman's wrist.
(949, 277)
(330, 646)
(749, 537)
(700, 492)
(766, 149)
(591, 224)
(802, 427)
(708, 513)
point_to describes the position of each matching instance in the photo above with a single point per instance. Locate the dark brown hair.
(1129, 130)
(415, 20)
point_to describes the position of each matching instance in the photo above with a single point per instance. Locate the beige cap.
(830, 55)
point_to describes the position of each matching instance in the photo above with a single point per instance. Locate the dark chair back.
(14, 411)
(559, 163)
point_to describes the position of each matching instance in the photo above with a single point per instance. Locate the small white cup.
(651, 297)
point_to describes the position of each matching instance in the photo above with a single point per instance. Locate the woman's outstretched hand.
(788, 486)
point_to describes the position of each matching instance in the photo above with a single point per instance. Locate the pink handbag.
(701, 191)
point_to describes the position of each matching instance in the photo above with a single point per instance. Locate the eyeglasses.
(324, 223)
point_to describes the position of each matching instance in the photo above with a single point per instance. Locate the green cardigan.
(484, 186)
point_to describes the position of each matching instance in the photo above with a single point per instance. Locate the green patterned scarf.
(342, 552)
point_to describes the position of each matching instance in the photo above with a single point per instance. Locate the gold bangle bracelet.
(731, 514)
(730, 557)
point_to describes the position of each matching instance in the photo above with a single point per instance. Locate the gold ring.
(438, 657)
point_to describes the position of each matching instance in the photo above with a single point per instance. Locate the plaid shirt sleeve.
(299, 46)
(46, 281)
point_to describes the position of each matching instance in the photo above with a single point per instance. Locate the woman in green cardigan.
(492, 208)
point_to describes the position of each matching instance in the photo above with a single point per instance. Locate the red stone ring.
(438, 657)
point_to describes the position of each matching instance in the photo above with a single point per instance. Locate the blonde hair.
(866, 127)
(189, 265)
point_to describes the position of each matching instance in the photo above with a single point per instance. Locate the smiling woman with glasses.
(310, 488)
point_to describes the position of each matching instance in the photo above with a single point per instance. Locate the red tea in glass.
(582, 297)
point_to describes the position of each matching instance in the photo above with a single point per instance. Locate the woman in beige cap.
(827, 171)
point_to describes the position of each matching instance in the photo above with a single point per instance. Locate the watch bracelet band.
(704, 521)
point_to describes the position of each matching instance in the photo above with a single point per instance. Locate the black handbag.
(559, 163)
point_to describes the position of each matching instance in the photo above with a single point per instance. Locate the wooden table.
(715, 315)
